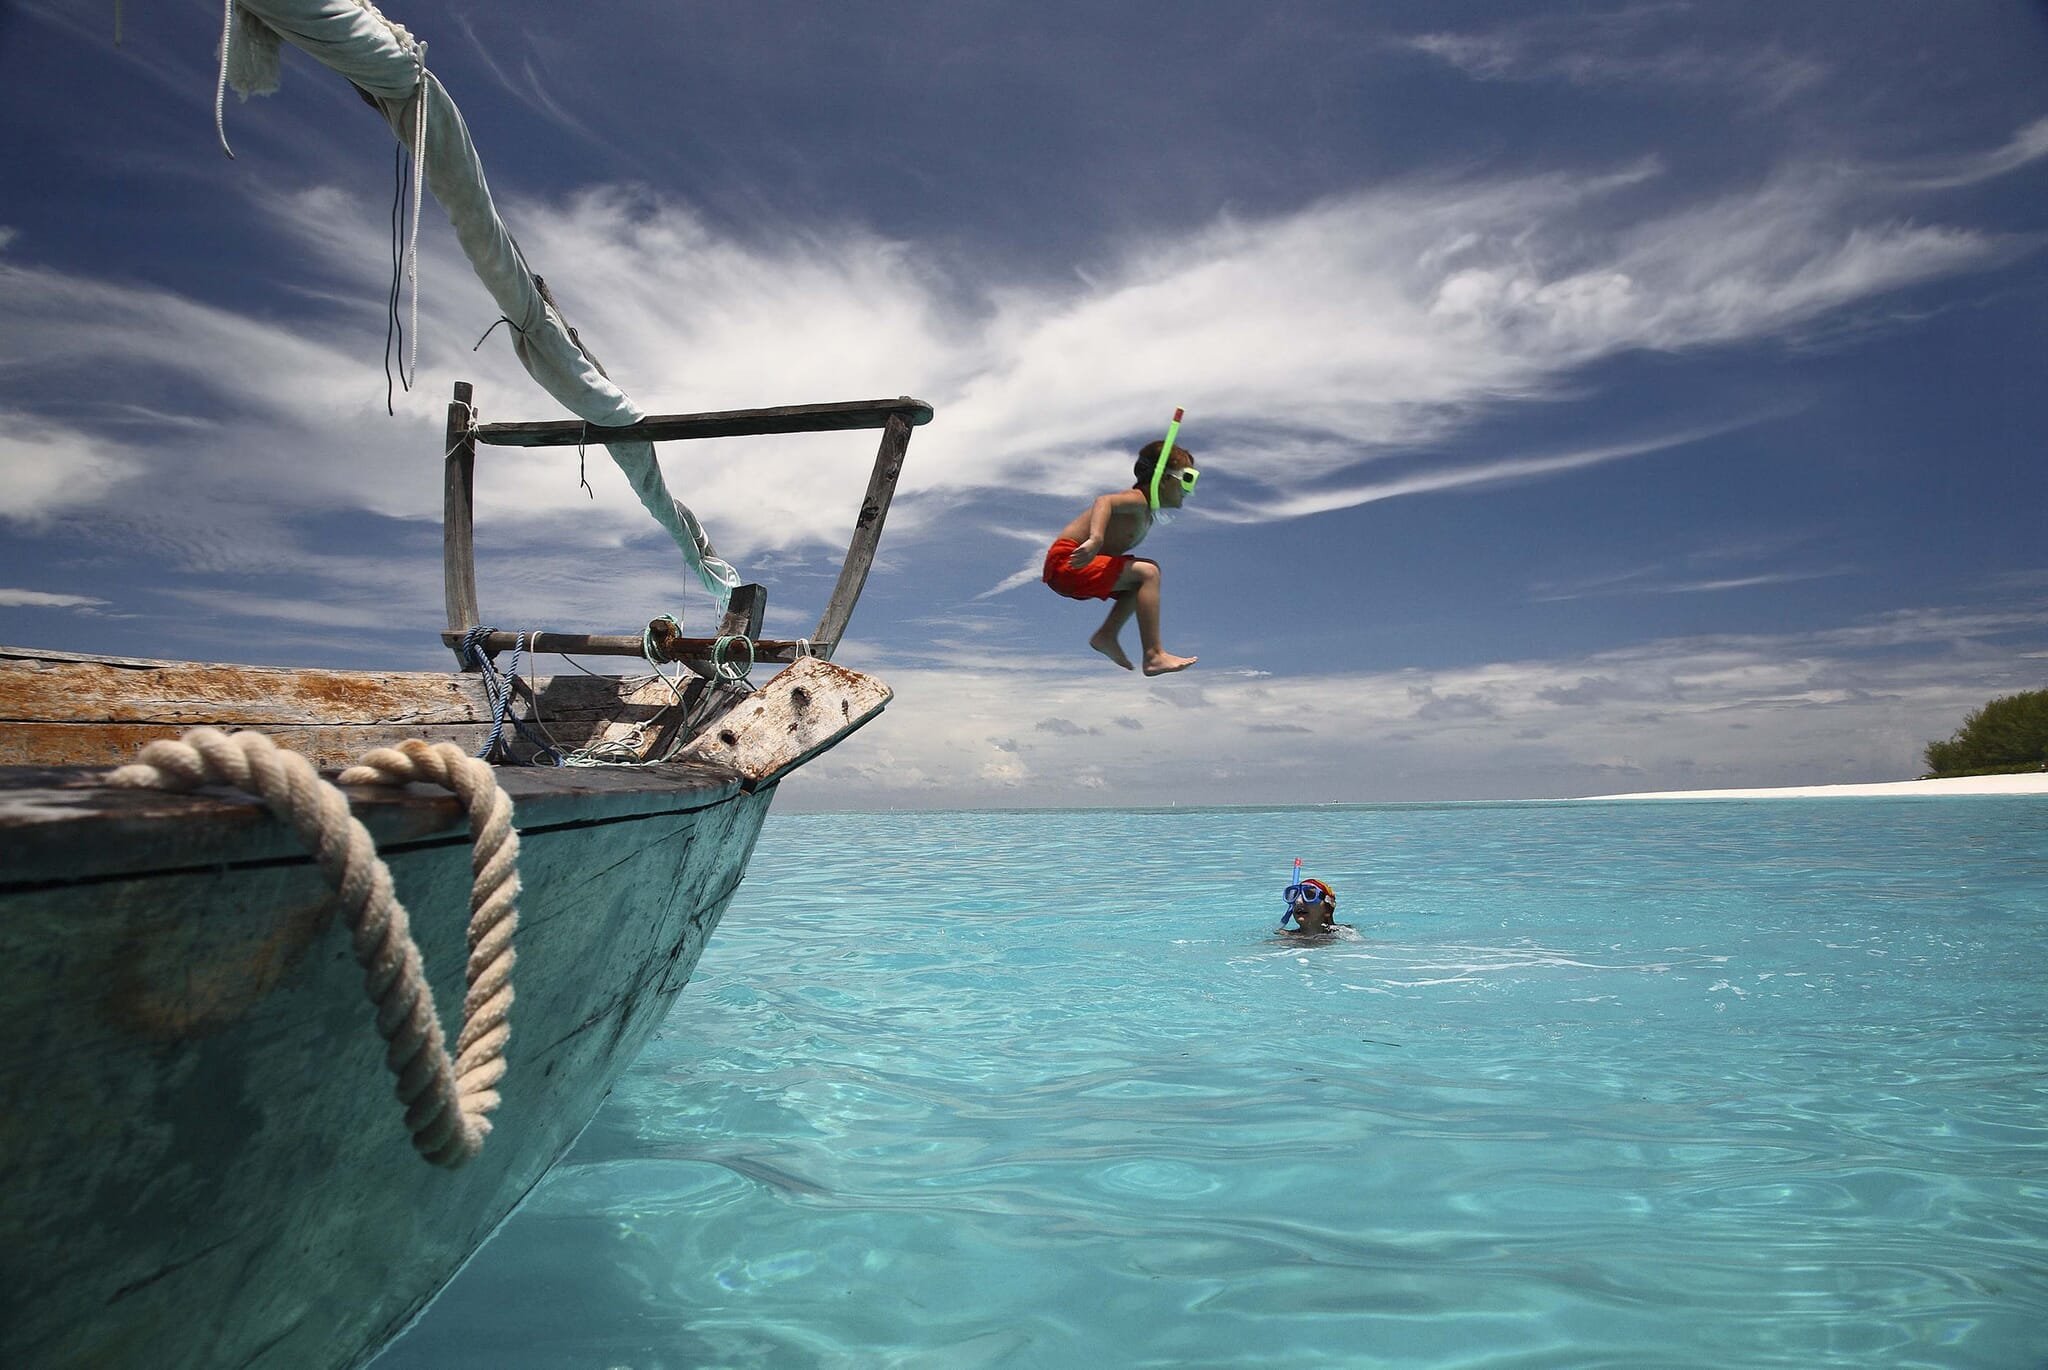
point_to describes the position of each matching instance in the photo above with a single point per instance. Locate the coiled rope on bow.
(447, 1103)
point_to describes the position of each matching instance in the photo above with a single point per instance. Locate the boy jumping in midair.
(1090, 558)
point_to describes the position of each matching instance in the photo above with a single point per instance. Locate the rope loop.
(730, 671)
(447, 1102)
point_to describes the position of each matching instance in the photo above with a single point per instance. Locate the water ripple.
(1726, 1085)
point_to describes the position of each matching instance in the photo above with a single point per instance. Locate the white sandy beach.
(2033, 783)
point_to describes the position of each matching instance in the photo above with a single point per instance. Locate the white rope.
(447, 1104)
(468, 427)
(419, 181)
(220, 92)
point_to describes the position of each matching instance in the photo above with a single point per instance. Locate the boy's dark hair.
(1148, 458)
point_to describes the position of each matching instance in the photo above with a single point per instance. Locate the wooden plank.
(41, 656)
(647, 724)
(458, 516)
(100, 712)
(728, 423)
(744, 612)
(867, 533)
(804, 711)
(191, 693)
(115, 744)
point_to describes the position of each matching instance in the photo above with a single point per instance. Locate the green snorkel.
(1165, 456)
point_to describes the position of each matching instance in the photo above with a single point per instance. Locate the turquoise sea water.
(1706, 1084)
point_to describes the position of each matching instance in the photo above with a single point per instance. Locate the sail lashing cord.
(447, 1103)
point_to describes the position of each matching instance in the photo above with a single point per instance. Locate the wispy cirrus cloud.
(2026, 146)
(1659, 582)
(44, 599)
(1633, 45)
(47, 468)
(1468, 476)
(1350, 338)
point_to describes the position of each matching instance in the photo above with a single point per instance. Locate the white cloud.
(1474, 476)
(46, 469)
(1640, 583)
(1857, 702)
(39, 599)
(368, 613)
(2027, 145)
(1369, 324)
(1326, 352)
(1621, 47)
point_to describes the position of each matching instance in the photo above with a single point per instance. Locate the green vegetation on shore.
(2008, 736)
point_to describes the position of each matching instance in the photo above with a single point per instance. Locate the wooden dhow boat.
(202, 1161)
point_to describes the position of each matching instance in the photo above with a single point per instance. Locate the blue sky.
(1588, 399)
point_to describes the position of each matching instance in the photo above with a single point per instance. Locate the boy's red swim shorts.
(1096, 580)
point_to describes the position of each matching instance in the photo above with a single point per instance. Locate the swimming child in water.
(1311, 908)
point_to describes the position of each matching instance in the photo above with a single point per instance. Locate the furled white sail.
(388, 64)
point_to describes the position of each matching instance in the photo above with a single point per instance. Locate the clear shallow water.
(1724, 1084)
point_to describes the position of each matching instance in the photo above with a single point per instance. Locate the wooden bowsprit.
(806, 710)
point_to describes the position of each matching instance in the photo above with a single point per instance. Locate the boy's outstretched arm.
(1098, 528)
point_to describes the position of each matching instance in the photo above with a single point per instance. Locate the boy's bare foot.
(1165, 663)
(1111, 648)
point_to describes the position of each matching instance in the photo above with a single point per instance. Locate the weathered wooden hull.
(205, 1163)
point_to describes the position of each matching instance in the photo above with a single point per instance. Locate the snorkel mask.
(1305, 892)
(1186, 475)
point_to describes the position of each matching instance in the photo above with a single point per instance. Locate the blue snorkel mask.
(1310, 892)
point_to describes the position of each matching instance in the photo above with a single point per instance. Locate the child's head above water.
(1311, 906)
(1309, 893)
